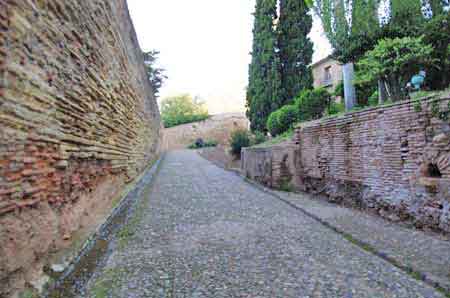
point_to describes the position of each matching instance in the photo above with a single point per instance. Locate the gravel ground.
(204, 232)
(220, 156)
(424, 252)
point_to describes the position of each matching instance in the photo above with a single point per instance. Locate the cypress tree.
(295, 48)
(264, 87)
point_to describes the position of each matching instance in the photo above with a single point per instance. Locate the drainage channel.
(73, 281)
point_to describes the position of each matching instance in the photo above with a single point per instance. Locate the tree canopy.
(264, 88)
(182, 109)
(395, 61)
(281, 55)
(295, 47)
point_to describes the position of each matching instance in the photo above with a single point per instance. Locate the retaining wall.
(394, 160)
(77, 122)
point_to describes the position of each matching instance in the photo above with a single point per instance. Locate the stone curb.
(413, 272)
(107, 227)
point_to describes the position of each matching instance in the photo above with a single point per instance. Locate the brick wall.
(77, 121)
(394, 160)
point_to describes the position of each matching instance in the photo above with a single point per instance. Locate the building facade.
(327, 73)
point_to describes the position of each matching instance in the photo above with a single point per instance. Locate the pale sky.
(205, 46)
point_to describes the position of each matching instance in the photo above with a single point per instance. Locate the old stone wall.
(273, 166)
(77, 122)
(217, 128)
(394, 160)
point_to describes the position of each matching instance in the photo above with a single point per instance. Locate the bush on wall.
(311, 104)
(258, 138)
(239, 139)
(282, 120)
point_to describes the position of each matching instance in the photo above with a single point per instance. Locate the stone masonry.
(394, 160)
(77, 122)
(272, 166)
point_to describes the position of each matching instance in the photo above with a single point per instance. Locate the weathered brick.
(382, 153)
(76, 106)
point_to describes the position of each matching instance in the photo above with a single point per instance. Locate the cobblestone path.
(204, 232)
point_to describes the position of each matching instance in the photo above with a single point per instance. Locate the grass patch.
(423, 94)
(106, 284)
(286, 136)
(286, 186)
(364, 246)
(129, 228)
(29, 293)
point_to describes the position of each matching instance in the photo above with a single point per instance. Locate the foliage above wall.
(295, 48)
(394, 61)
(264, 93)
(308, 105)
(281, 56)
(353, 32)
(182, 109)
(350, 31)
(156, 75)
(282, 119)
(242, 138)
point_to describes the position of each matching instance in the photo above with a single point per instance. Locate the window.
(327, 77)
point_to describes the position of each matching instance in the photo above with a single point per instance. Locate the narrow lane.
(205, 232)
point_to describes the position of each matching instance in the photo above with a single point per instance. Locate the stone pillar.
(348, 72)
(382, 94)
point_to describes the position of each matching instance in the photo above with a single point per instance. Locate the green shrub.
(373, 99)
(287, 117)
(395, 61)
(335, 108)
(437, 33)
(199, 143)
(363, 91)
(239, 139)
(282, 120)
(339, 89)
(285, 136)
(311, 104)
(258, 138)
(272, 123)
(182, 109)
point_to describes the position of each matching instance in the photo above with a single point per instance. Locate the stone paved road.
(207, 233)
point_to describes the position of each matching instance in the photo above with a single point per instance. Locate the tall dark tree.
(156, 75)
(295, 48)
(264, 94)
(350, 26)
